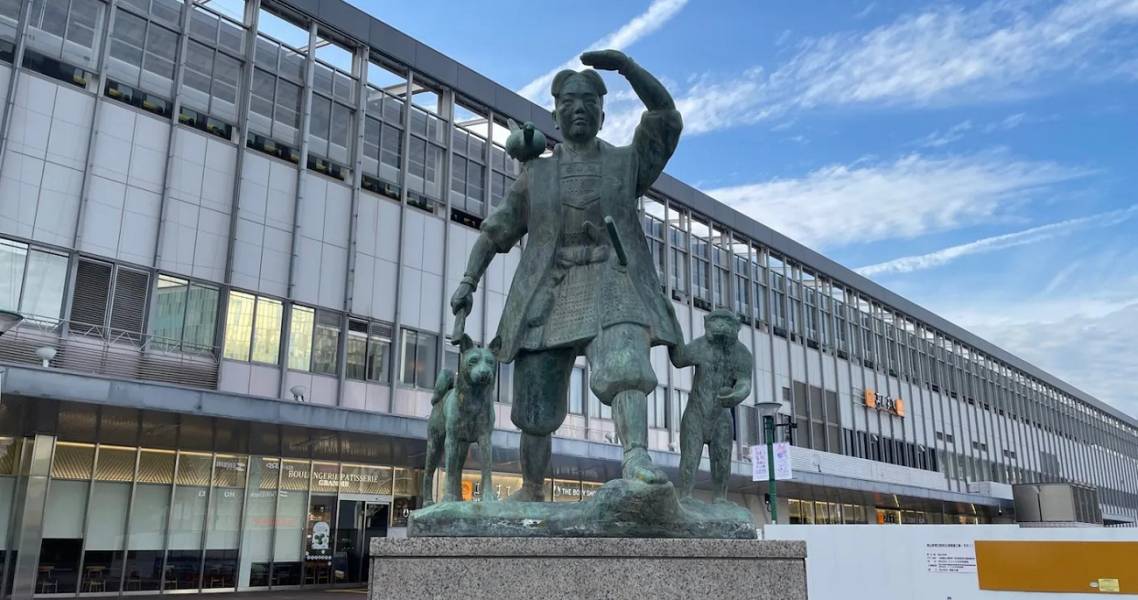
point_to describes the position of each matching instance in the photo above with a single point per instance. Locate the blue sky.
(977, 158)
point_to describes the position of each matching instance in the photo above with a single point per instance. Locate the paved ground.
(336, 594)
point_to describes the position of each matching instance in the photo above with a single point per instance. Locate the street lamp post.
(768, 411)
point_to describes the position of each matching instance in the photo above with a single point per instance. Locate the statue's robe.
(569, 283)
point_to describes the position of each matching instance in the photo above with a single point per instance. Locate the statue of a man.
(586, 283)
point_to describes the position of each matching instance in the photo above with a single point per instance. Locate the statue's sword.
(617, 245)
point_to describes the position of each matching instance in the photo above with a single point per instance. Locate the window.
(677, 237)
(326, 342)
(142, 53)
(369, 348)
(185, 315)
(417, 359)
(468, 170)
(314, 340)
(253, 328)
(701, 264)
(425, 154)
(212, 76)
(31, 281)
(330, 125)
(658, 408)
(383, 143)
(66, 30)
(576, 391)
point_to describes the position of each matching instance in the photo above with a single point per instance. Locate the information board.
(951, 558)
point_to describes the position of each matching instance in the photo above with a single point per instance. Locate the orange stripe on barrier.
(1076, 567)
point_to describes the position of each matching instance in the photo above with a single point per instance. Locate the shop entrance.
(357, 522)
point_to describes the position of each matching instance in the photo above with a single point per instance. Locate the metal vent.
(92, 287)
(129, 300)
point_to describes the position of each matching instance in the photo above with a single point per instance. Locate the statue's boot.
(527, 494)
(630, 413)
(638, 465)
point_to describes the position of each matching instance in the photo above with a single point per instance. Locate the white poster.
(782, 470)
(951, 558)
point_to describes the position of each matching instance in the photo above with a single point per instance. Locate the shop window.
(417, 359)
(31, 281)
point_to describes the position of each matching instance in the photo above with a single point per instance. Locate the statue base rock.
(611, 568)
(625, 509)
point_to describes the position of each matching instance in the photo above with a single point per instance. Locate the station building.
(232, 228)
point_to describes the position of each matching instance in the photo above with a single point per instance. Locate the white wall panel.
(337, 214)
(411, 284)
(413, 239)
(432, 297)
(19, 188)
(306, 283)
(387, 240)
(58, 204)
(431, 245)
(383, 290)
(333, 274)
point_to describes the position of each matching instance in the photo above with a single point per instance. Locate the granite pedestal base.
(586, 568)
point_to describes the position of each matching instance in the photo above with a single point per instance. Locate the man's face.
(579, 111)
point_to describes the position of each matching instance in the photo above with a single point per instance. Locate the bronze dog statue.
(462, 413)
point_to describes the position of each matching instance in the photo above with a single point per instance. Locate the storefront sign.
(889, 404)
(951, 558)
(400, 511)
(782, 470)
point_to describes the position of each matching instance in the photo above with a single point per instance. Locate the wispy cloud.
(937, 139)
(657, 14)
(909, 264)
(868, 201)
(945, 55)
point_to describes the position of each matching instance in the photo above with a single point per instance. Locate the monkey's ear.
(465, 343)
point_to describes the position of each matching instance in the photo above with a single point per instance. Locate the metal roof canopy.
(356, 24)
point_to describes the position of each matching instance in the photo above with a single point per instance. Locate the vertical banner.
(759, 468)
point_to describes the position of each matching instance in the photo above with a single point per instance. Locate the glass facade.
(137, 519)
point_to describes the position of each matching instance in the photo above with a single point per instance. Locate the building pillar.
(30, 520)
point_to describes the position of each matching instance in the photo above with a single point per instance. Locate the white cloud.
(908, 264)
(944, 55)
(911, 196)
(657, 14)
(937, 139)
(1087, 342)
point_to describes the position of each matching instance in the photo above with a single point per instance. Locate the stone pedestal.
(586, 568)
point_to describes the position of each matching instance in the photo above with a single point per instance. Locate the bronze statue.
(462, 413)
(586, 283)
(722, 380)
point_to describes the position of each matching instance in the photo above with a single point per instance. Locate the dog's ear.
(465, 343)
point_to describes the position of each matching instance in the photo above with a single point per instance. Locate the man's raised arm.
(651, 92)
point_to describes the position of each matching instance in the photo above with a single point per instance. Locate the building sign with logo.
(881, 402)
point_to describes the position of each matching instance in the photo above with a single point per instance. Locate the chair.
(170, 579)
(93, 580)
(47, 583)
